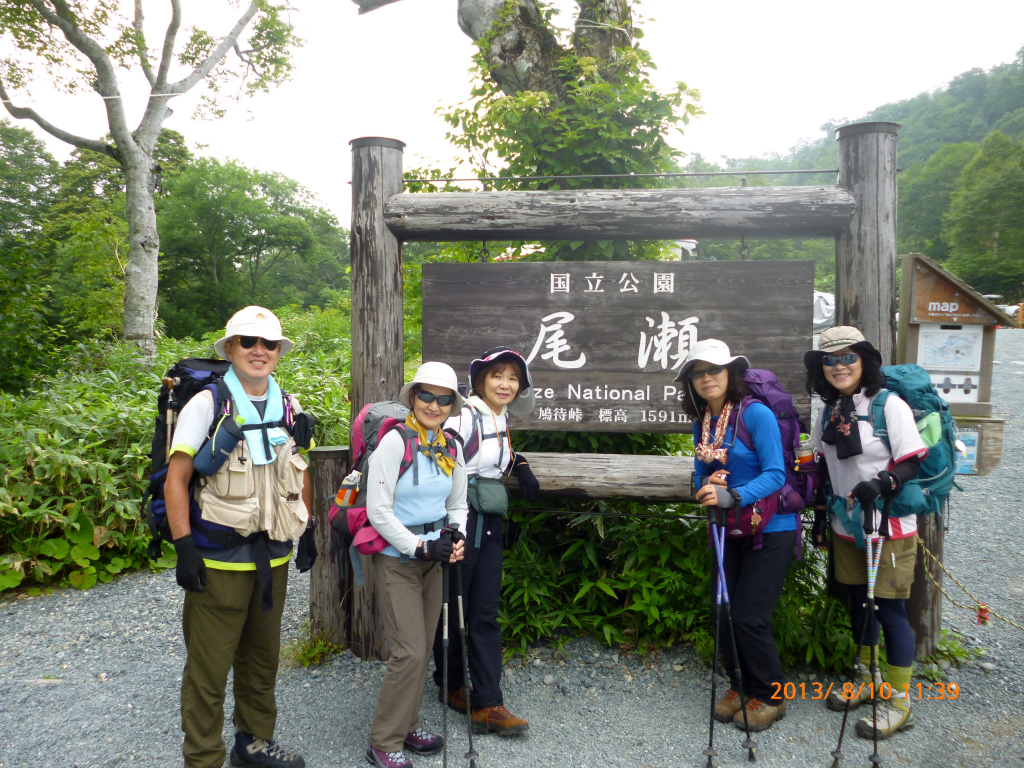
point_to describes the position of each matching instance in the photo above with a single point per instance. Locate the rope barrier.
(982, 612)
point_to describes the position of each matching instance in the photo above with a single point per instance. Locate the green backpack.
(926, 493)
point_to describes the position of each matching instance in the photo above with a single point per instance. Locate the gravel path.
(92, 678)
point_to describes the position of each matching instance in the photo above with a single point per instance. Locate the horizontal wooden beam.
(621, 214)
(608, 476)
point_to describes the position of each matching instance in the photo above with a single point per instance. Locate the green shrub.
(75, 449)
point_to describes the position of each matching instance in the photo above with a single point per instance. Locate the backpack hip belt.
(416, 530)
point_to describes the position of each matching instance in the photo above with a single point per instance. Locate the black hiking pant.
(755, 578)
(481, 585)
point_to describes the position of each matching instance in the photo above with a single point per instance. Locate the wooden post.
(866, 248)
(327, 591)
(924, 608)
(377, 333)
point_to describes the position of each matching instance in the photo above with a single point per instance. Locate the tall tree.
(984, 226)
(94, 41)
(27, 181)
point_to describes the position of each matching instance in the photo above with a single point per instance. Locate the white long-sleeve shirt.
(383, 487)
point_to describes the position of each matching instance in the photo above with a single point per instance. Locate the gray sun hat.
(837, 338)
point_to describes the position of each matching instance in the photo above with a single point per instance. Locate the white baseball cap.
(710, 351)
(254, 321)
(435, 374)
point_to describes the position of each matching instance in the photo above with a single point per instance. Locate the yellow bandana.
(437, 449)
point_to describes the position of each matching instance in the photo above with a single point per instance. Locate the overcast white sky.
(770, 74)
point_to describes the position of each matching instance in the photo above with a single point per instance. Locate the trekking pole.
(444, 647)
(749, 744)
(872, 565)
(873, 561)
(711, 752)
(169, 414)
(472, 754)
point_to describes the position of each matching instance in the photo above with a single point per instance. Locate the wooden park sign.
(604, 340)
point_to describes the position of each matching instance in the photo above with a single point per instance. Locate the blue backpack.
(927, 493)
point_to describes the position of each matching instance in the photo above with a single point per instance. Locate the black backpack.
(186, 379)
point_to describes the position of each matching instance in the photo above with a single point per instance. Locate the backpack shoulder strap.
(740, 430)
(877, 415)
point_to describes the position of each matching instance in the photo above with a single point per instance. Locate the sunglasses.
(713, 370)
(428, 397)
(248, 342)
(848, 359)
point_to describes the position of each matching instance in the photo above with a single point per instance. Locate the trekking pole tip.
(837, 755)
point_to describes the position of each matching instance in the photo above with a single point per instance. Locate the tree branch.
(140, 38)
(26, 113)
(169, 37)
(63, 19)
(216, 56)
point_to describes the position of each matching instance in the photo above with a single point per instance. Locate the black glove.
(866, 492)
(819, 529)
(528, 485)
(439, 550)
(307, 553)
(890, 484)
(190, 570)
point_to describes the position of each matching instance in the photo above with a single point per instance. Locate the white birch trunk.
(141, 276)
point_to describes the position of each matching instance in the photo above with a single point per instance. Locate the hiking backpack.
(190, 377)
(347, 514)
(926, 493)
(801, 478)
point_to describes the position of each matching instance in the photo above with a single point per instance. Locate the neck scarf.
(437, 449)
(709, 451)
(841, 429)
(259, 440)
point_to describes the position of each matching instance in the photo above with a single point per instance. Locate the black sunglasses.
(713, 370)
(429, 397)
(248, 342)
(848, 359)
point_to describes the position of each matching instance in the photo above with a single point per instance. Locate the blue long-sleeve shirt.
(755, 474)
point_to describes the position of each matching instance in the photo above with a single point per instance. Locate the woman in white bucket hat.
(411, 510)
(732, 476)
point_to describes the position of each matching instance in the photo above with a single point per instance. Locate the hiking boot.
(727, 706)
(862, 691)
(456, 698)
(760, 716)
(387, 759)
(250, 752)
(894, 716)
(499, 720)
(423, 741)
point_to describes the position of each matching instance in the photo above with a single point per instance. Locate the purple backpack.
(801, 479)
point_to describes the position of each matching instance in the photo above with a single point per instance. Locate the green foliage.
(985, 222)
(952, 651)
(27, 341)
(640, 582)
(925, 191)
(606, 118)
(310, 650)
(27, 174)
(232, 236)
(74, 450)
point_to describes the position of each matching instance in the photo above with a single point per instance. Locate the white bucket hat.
(437, 375)
(254, 321)
(710, 351)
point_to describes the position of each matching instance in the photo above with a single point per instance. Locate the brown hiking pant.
(410, 599)
(225, 628)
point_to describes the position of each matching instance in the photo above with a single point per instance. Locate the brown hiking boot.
(760, 716)
(456, 698)
(727, 706)
(499, 720)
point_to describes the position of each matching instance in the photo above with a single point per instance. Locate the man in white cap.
(233, 531)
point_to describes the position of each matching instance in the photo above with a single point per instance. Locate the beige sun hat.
(254, 321)
(710, 351)
(837, 338)
(437, 375)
